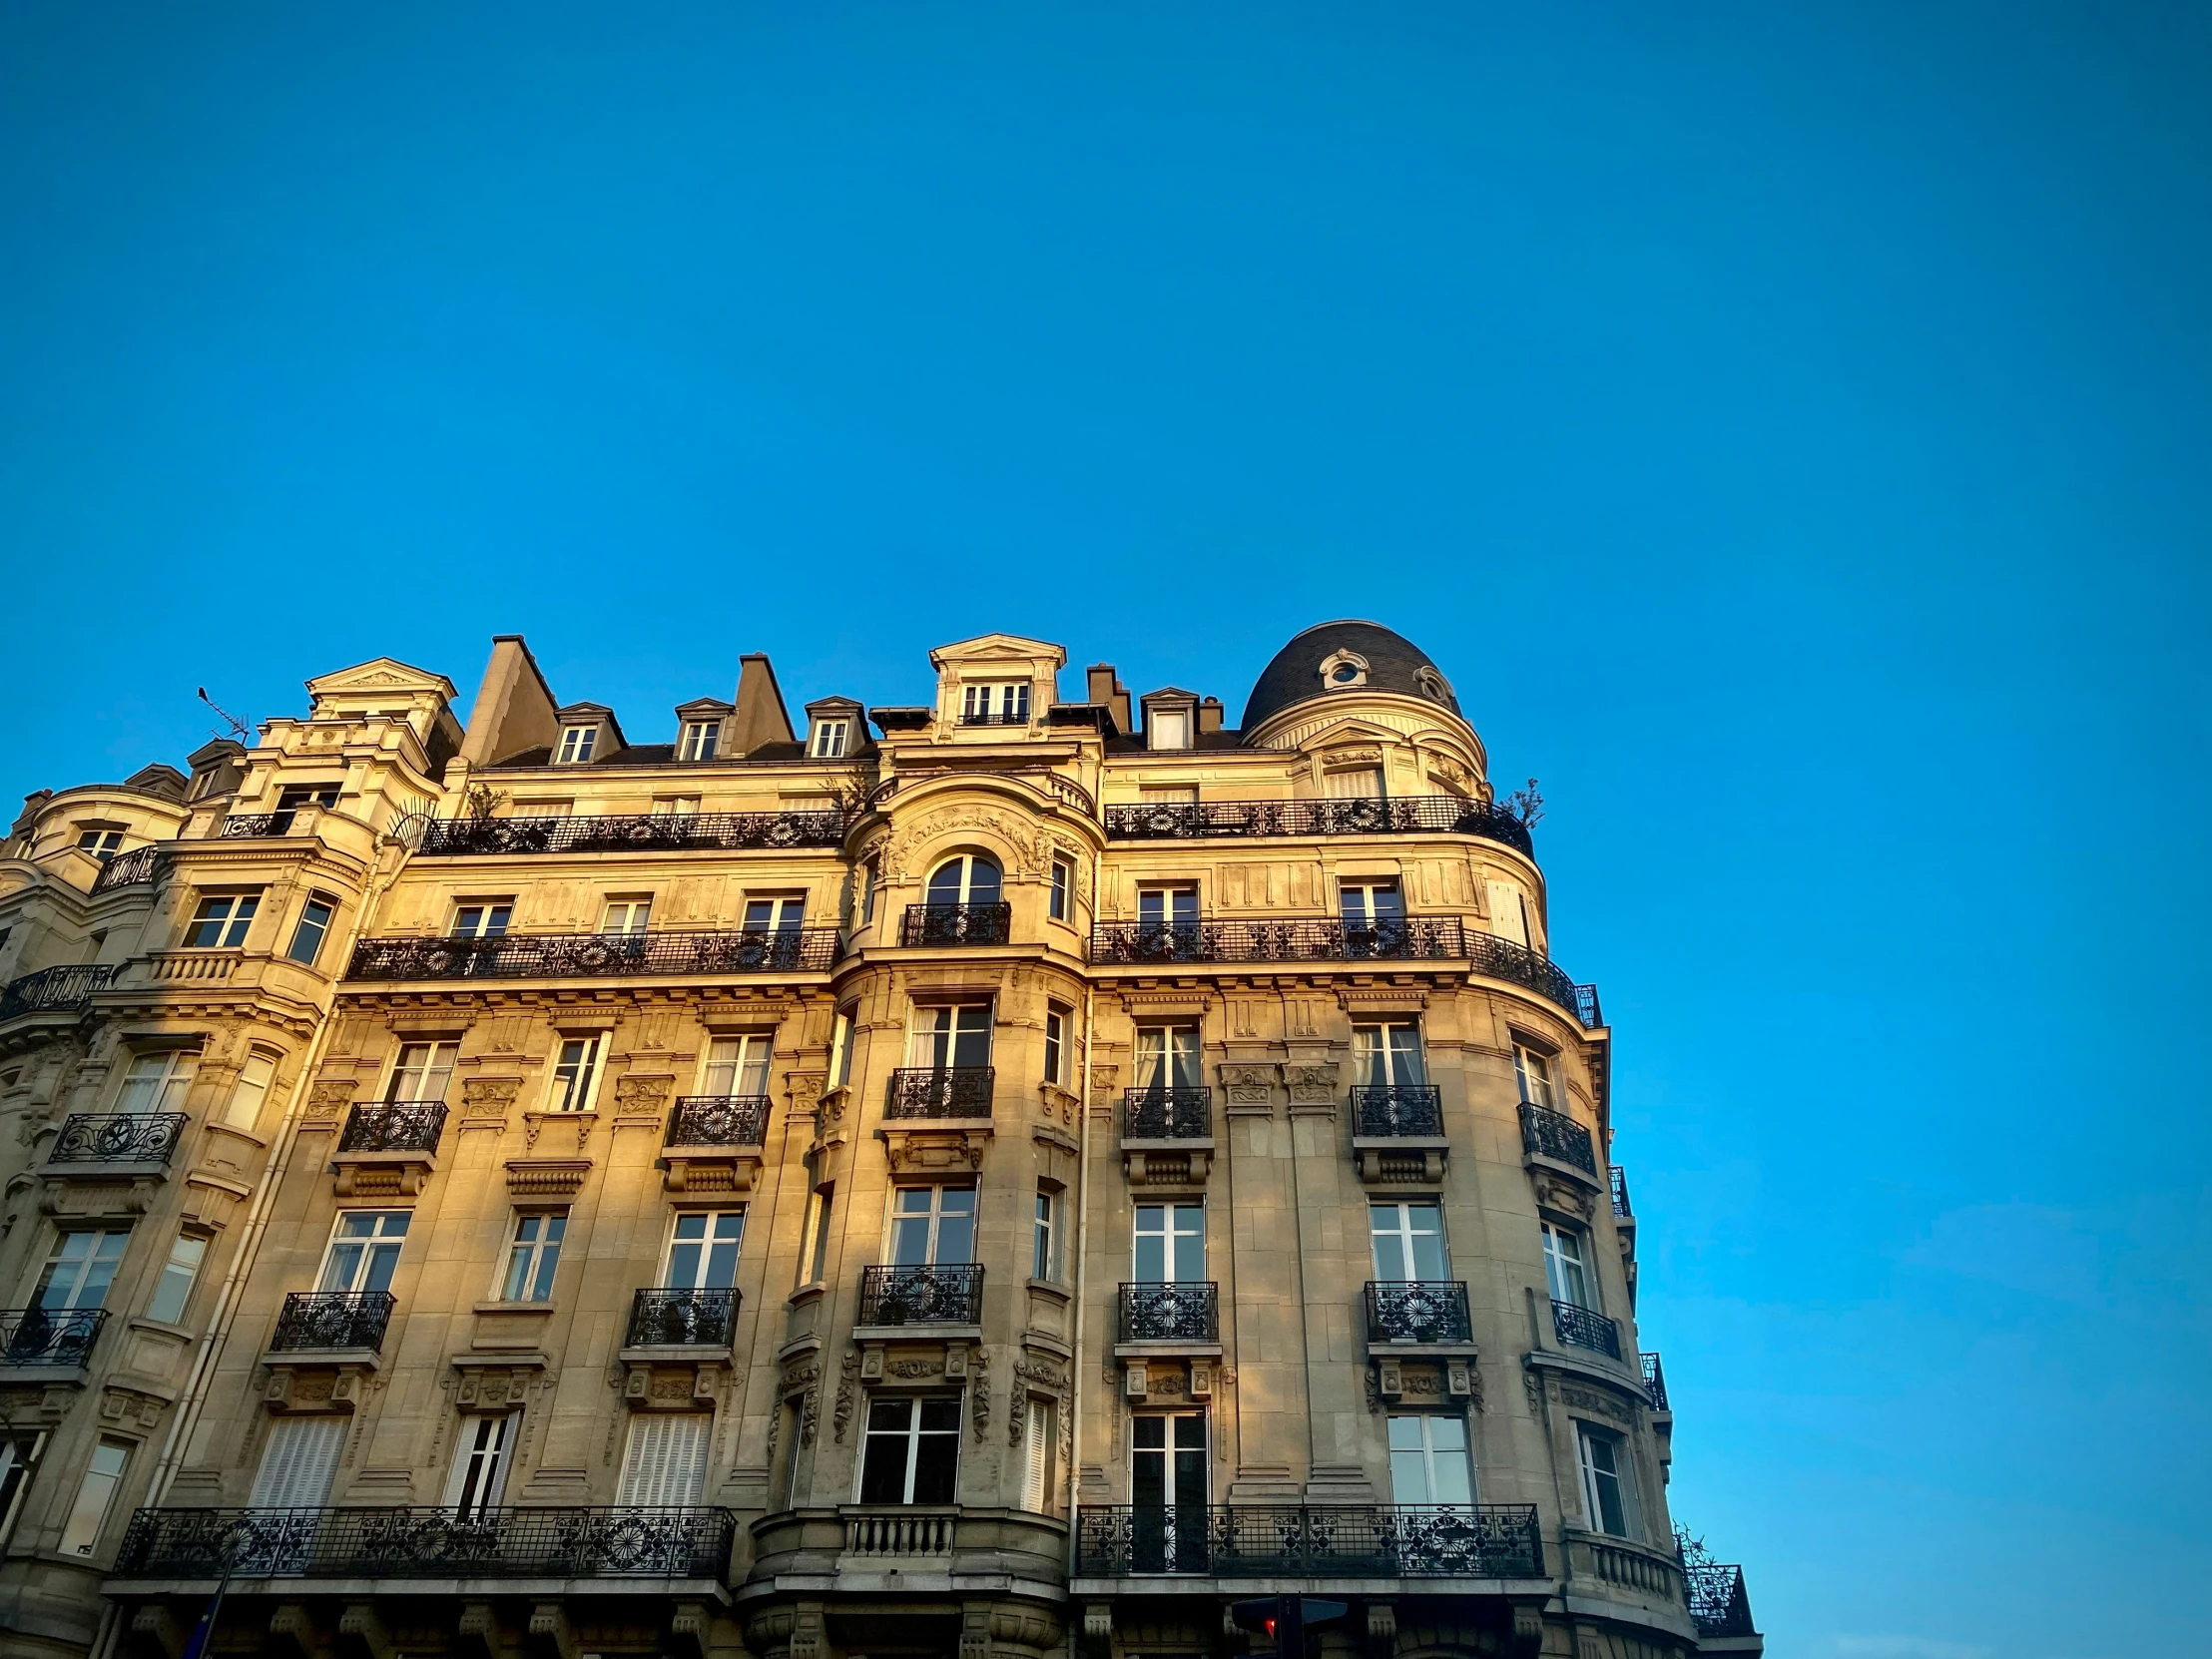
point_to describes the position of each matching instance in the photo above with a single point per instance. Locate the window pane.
(937, 1465)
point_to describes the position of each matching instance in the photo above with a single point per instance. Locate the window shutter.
(1353, 785)
(1507, 920)
(667, 1461)
(299, 1464)
(1036, 1489)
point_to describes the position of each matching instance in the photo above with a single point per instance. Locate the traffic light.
(1287, 1620)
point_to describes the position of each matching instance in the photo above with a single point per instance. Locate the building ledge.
(1167, 1351)
(1204, 1584)
(1614, 1373)
(480, 1588)
(919, 1331)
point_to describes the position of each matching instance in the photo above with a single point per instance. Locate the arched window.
(969, 878)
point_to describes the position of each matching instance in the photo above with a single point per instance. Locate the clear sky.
(1787, 425)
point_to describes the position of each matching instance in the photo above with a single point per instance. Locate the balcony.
(947, 925)
(1370, 816)
(717, 1120)
(1391, 1111)
(1719, 1605)
(1556, 1138)
(319, 1321)
(1313, 939)
(1021, 719)
(657, 1544)
(393, 1126)
(56, 990)
(633, 833)
(598, 955)
(1311, 1541)
(1618, 1178)
(930, 1295)
(99, 1143)
(1578, 1327)
(1655, 1382)
(58, 1336)
(138, 868)
(260, 826)
(1164, 1114)
(682, 1319)
(1418, 1310)
(1184, 1312)
(949, 1092)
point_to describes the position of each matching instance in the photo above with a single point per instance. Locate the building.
(1002, 1175)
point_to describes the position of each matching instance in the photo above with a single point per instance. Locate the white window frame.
(101, 844)
(1389, 1052)
(1166, 903)
(533, 1261)
(1055, 1046)
(19, 1458)
(421, 1073)
(383, 1242)
(994, 702)
(830, 738)
(736, 1067)
(481, 1458)
(932, 1215)
(250, 1093)
(577, 744)
(1532, 1070)
(1045, 1253)
(1037, 1483)
(781, 913)
(842, 1029)
(1060, 905)
(71, 1277)
(180, 1276)
(156, 1080)
(1425, 1427)
(719, 1232)
(934, 1040)
(963, 890)
(228, 926)
(626, 919)
(1173, 1228)
(574, 1085)
(483, 919)
(913, 1433)
(700, 741)
(813, 1256)
(1622, 1474)
(1408, 1237)
(1170, 1057)
(104, 1476)
(1359, 903)
(1168, 729)
(1568, 1271)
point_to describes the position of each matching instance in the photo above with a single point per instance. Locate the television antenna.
(238, 728)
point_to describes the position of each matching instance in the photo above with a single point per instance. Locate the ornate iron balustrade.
(633, 833)
(1163, 1114)
(1618, 1179)
(717, 1120)
(333, 1319)
(1655, 1382)
(1719, 1604)
(241, 826)
(1311, 939)
(117, 1138)
(931, 1294)
(1550, 1134)
(427, 1543)
(582, 955)
(56, 990)
(1384, 1109)
(683, 1319)
(1585, 1007)
(1367, 816)
(1418, 1310)
(49, 1336)
(955, 925)
(994, 719)
(1491, 1540)
(393, 1126)
(130, 869)
(950, 1092)
(1185, 1313)
(1578, 1327)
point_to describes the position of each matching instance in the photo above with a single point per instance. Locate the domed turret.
(1336, 657)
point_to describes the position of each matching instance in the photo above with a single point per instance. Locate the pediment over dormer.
(1000, 648)
(380, 677)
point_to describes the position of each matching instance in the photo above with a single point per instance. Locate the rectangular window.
(1061, 904)
(735, 1066)
(1044, 1443)
(1609, 1482)
(101, 844)
(1169, 728)
(221, 922)
(913, 1453)
(868, 877)
(1170, 1243)
(1167, 1057)
(487, 920)
(1429, 1459)
(250, 1092)
(95, 1499)
(932, 1227)
(80, 1268)
(1408, 1242)
(996, 705)
(626, 916)
(775, 915)
(365, 1248)
(841, 1049)
(158, 1081)
(830, 739)
(1384, 1054)
(423, 1071)
(1533, 1072)
(299, 1464)
(703, 1251)
(1044, 1260)
(666, 1463)
(293, 796)
(479, 1473)
(533, 1257)
(1563, 1268)
(1167, 1489)
(314, 924)
(949, 1036)
(576, 1073)
(1055, 1043)
(700, 739)
(174, 1289)
(1356, 785)
(1508, 910)
(18, 1455)
(816, 1258)
(1165, 907)
(1367, 905)
(577, 742)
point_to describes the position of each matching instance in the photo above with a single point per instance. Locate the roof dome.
(1336, 657)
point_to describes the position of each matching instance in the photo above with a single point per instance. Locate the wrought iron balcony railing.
(1579, 1327)
(592, 955)
(1550, 1134)
(1385, 1109)
(717, 1120)
(393, 1126)
(1369, 815)
(1183, 1313)
(1491, 1540)
(117, 1138)
(1719, 1605)
(49, 1336)
(956, 924)
(1655, 1382)
(333, 1319)
(683, 1319)
(953, 1092)
(56, 990)
(633, 833)
(253, 825)
(133, 868)
(1309, 940)
(1618, 1178)
(427, 1543)
(1165, 1114)
(931, 1294)
(1418, 1310)
(995, 720)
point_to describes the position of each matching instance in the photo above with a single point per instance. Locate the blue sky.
(1786, 424)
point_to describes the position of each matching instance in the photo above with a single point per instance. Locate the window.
(1563, 1268)
(970, 878)
(250, 1092)
(703, 1251)
(1167, 1058)
(1384, 1054)
(626, 916)
(298, 1462)
(80, 1268)
(95, 1497)
(1000, 705)
(18, 1455)
(1044, 1441)
(675, 805)
(314, 924)
(1359, 783)
(1169, 728)
(365, 1248)
(775, 915)
(1055, 1043)
(932, 1227)
(544, 809)
(700, 739)
(951, 1035)
(1167, 1489)
(815, 1258)
(487, 920)
(913, 1453)
(1533, 1072)
(1170, 1243)
(1408, 1242)
(533, 1257)
(666, 1463)
(1609, 1482)
(479, 1473)
(174, 1289)
(1429, 1459)
(293, 797)
(1043, 1261)
(1061, 906)
(841, 1049)
(735, 1066)
(158, 1081)
(576, 1073)
(221, 923)
(1167, 906)
(869, 874)
(1508, 910)
(101, 844)
(577, 742)
(423, 1071)
(830, 739)
(1369, 906)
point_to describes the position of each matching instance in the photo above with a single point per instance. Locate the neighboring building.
(1012, 1182)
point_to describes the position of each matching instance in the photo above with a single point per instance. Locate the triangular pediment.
(999, 647)
(380, 674)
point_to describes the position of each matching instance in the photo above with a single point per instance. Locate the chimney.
(759, 717)
(1102, 685)
(1209, 715)
(514, 710)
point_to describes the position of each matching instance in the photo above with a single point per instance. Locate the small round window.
(1342, 669)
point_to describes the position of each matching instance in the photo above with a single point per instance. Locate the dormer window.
(1344, 670)
(577, 742)
(101, 844)
(700, 739)
(1169, 729)
(999, 705)
(831, 737)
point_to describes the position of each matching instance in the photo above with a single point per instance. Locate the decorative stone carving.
(1312, 1083)
(840, 1416)
(488, 1097)
(979, 1395)
(641, 1095)
(1249, 1084)
(328, 1097)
